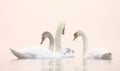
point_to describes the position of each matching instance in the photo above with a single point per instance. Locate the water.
(64, 64)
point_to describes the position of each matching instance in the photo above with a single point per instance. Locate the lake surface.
(64, 64)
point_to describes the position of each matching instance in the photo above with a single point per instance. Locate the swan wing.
(20, 55)
(99, 53)
(33, 53)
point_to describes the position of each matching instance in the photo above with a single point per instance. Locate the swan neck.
(58, 40)
(51, 43)
(85, 41)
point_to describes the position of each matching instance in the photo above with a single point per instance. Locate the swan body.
(37, 52)
(97, 53)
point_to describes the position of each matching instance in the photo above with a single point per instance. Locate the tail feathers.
(107, 56)
(20, 55)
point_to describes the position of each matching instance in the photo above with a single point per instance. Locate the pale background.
(23, 21)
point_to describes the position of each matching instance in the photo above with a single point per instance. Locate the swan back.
(99, 53)
(20, 55)
(33, 52)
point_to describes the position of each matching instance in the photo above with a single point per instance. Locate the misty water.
(64, 64)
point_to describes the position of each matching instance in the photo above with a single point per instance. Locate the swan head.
(45, 34)
(68, 52)
(77, 34)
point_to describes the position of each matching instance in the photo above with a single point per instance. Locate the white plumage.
(97, 53)
(36, 52)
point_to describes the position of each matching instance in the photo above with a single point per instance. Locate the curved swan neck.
(51, 43)
(48, 35)
(85, 42)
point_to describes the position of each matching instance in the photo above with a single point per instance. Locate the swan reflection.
(84, 65)
(53, 65)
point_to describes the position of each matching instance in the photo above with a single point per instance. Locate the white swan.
(37, 52)
(67, 52)
(98, 53)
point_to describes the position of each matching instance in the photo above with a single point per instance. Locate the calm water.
(65, 64)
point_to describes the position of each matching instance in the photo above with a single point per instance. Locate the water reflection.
(84, 65)
(58, 65)
(97, 64)
(70, 64)
(53, 65)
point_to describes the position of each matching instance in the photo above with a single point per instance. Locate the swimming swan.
(37, 52)
(67, 52)
(98, 53)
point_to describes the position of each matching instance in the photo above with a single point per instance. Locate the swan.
(98, 53)
(68, 52)
(37, 52)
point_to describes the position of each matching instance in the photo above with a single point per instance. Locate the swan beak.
(63, 32)
(75, 36)
(42, 40)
